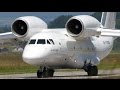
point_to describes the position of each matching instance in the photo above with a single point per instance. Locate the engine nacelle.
(82, 26)
(25, 27)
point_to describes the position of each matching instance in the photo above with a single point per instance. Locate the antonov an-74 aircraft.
(82, 44)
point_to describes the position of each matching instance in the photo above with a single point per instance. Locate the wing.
(7, 35)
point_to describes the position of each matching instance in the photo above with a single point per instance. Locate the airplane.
(82, 44)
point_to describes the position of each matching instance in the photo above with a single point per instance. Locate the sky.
(46, 16)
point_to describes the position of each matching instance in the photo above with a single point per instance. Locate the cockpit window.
(51, 41)
(48, 42)
(41, 41)
(32, 41)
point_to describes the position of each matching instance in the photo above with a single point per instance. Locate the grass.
(112, 61)
(112, 77)
(12, 63)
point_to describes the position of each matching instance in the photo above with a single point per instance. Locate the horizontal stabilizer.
(110, 32)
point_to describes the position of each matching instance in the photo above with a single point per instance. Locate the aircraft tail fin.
(108, 20)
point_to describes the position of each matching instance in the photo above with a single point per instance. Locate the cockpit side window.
(51, 41)
(48, 42)
(41, 41)
(32, 41)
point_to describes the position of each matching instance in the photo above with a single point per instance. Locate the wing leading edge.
(7, 35)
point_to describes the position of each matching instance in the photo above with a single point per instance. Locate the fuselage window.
(41, 41)
(51, 41)
(32, 41)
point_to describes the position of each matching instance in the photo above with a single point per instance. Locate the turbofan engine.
(25, 27)
(82, 26)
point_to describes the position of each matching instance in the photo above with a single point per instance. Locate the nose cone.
(33, 55)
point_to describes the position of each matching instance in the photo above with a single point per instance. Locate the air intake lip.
(74, 27)
(19, 27)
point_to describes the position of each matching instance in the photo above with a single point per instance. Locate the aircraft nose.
(31, 54)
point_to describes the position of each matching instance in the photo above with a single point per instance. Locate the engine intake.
(27, 26)
(82, 26)
(20, 27)
(74, 26)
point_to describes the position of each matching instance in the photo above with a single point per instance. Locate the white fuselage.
(65, 51)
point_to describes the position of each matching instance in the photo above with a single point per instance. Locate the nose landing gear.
(45, 72)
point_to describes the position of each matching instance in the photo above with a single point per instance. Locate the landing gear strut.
(91, 70)
(45, 72)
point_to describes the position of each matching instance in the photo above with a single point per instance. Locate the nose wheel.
(45, 72)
